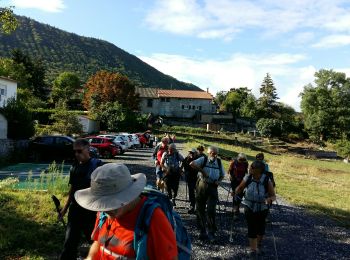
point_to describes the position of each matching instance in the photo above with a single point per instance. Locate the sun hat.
(112, 187)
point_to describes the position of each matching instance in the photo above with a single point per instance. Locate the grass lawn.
(322, 187)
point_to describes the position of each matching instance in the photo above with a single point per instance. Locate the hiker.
(259, 194)
(171, 164)
(212, 172)
(80, 220)
(191, 178)
(237, 170)
(162, 148)
(200, 151)
(261, 157)
(116, 194)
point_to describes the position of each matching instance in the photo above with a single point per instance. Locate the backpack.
(175, 164)
(252, 191)
(239, 170)
(219, 164)
(154, 200)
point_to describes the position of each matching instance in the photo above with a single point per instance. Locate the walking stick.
(58, 209)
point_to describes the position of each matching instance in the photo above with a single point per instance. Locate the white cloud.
(333, 41)
(44, 5)
(240, 70)
(225, 18)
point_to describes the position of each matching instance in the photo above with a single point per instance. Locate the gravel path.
(292, 233)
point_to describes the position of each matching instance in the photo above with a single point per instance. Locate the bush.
(294, 137)
(343, 147)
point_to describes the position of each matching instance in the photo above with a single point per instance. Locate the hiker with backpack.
(159, 151)
(259, 194)
(237, 170)
(261, 157)
(130, 224)
(211, 174)
(171, 164)
(191, 178)
(80, 220)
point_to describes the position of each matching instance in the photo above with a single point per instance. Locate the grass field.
(322, 187)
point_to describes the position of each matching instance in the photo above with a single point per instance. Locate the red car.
(106, 147)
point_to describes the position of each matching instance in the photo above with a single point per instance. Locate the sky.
(215, 44)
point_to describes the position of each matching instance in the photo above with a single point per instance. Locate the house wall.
(177, 107)
(3, 127)
(89, 126)
(8, 89)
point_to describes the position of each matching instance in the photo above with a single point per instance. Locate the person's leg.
(211, 208)
(72, 238)
(201, 201)
(168, 185)
(252, 229)
(261, 225)
(191, 190)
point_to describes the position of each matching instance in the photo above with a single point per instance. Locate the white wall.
(8, 89)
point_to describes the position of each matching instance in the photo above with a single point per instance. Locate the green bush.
(294, 137)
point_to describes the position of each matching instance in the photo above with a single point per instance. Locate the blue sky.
(215, 44)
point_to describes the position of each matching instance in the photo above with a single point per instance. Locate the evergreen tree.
(268, 98)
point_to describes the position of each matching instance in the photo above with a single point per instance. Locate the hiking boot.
(191, 211)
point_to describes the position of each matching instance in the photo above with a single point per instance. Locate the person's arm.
(95, 247)
(196, 165)
(240, 187)
(230, 170)
(271, 193)
(68, 202)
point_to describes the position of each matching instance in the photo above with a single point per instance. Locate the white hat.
(112, 187)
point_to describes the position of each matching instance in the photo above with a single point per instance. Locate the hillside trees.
(325, 106)
(111, 98)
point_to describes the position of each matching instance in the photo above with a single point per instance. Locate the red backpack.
(239, 170)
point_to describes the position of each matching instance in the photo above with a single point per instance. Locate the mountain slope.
(63, 51)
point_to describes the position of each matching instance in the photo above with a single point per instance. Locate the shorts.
(256, 222)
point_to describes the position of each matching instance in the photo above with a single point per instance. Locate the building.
(8, 89)
(89, 126)
(175, 103)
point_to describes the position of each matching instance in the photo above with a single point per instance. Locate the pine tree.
(268, 98)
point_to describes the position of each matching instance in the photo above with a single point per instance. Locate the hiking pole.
(58, 209)
(273, 234)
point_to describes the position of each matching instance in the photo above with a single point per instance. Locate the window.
(47, 140)
(193, 107)
(167, 99)
(162, 99)
(149, 102)
(199, 108)
(62, 141)
(183, 106)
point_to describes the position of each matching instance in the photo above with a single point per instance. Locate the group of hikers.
(136, 222)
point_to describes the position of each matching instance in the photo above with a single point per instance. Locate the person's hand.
(233, 193)
(268, 201)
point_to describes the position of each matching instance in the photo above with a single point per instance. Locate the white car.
(119, 141)
(135, 140)
(126, 139)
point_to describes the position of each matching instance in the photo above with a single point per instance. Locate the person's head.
(212, 152)
(200, 149)
(192, 152)
(165, 141)
(81, 148)
(113, 190)
(257, 168)
(259, 156)
(241, 157)
(172, 148)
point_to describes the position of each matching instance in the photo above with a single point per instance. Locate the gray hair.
(172, 146)
(213, 149)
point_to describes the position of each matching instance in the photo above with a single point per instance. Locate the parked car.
(106, 147)
(135, 140)
(54, 147)
(119, 141)
(126, 139)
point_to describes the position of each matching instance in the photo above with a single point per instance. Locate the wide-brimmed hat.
(112, 187)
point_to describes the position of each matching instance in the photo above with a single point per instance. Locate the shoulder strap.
(205, 161)
(220, 166)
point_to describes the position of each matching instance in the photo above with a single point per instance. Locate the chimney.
(207, 90)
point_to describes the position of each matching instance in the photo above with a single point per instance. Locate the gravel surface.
(292, 233)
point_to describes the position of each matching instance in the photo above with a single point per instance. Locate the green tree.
(268, 97)
(19, 119)
(220, 98)
(65, 122)
(249, 107)
(65, 87)
(326, 105)
(270, 127)
(8, 21)
(234, 101)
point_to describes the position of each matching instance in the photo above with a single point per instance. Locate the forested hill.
(63, 51)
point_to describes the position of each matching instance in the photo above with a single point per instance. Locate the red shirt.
(161, 242)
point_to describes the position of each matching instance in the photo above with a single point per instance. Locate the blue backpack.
(154, 200)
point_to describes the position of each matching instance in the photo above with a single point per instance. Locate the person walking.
(116, 194)
(171, 164)
(237, 170)
(258, 196)
(191, 178)
(159, 151)
(212, 173)
(200, 151)
(80, 220)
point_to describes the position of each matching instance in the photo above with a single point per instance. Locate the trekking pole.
(273, 235)
(58, 209)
